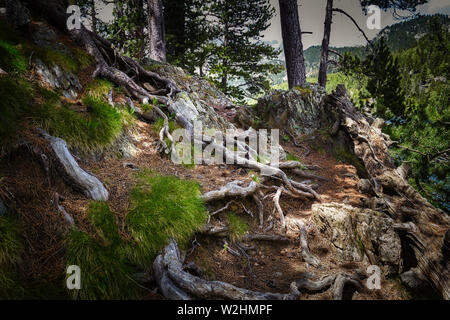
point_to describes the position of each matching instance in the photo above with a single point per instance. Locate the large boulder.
(359, 234)
(298, 110)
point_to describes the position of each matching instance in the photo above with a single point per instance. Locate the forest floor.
(273, 266)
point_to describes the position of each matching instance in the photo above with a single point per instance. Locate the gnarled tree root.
(72, 172)
(170, 263)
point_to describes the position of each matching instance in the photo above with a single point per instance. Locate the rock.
(192, 108)
(3, 208)
(3, 73)
(413, 279)
(59, 79)
(359, 234)
(298, 110)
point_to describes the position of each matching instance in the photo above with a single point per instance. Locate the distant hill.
(399, 36)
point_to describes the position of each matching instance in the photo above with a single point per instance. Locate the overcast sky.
(312, 15)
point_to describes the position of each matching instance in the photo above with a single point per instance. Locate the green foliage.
(162, 207)
(11, 247)
(15, 102)
(420, 123)
(11, 60)
(292, 157)
(126, 31)
(98, 89)
(238, 227)
(100, 129)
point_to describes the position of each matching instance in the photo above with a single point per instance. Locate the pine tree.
(127, 31)
(241, 61)
(384, 79)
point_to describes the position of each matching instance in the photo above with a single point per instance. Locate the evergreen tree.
(127, 31)
(241, 62)
(384, 82)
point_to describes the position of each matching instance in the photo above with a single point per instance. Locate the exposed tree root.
(403, 203)
(343, 280)
(61, 209)
(170, 263)
(308, 257)
(72, 172)
(308, 285)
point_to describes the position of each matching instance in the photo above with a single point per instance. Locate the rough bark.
(156, 31)
(292, 42)
(403, 203)
(325, 44)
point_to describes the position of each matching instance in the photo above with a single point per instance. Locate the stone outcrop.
(298, 110)
(58, 78)
(359, 234)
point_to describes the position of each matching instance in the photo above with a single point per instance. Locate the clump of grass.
(11, 248)
(51, 57)
(98, 89)
(100, 129)
(159, 124)
(15, 102)
(105, 273)
(162, 207)
(292, 157)
(11, 60)
(238, 227)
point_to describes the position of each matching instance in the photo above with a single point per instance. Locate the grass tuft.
(163, 207)
(11, 248)
(105, 274)
(11, 60)
(238, 227)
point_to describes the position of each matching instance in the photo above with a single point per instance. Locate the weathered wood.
(201, 288)
(403, 202)
(73, 173)
(308, 257)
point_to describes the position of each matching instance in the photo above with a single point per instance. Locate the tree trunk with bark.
(292, 42)
(156, 31)
(325, 44)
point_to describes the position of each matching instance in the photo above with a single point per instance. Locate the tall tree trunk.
(292, 41)
(156, 31)
(325, 45)
(93, 17)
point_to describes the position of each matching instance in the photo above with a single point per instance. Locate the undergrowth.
(105, 273)
(11, 247)
(162, 207)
